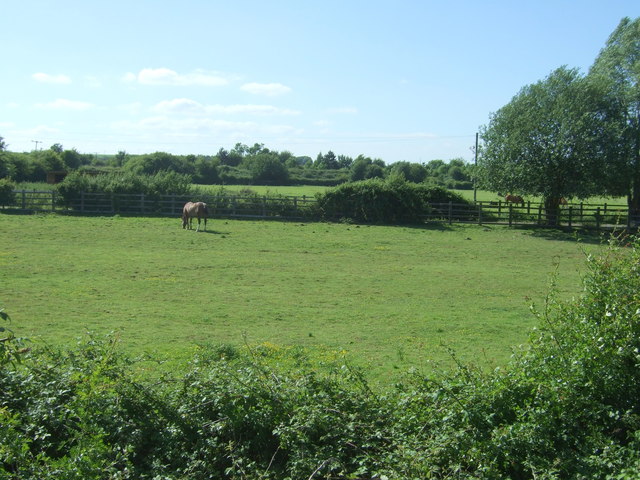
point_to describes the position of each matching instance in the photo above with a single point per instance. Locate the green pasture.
(389, 298)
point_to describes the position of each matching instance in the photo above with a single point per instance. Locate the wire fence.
(581, 215)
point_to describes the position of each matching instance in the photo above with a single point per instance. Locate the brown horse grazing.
(198, 210)
(514, 199)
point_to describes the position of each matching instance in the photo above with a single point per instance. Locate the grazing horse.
(198, 210)
(514, 199)
(563, 201)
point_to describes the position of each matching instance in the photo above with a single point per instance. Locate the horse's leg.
(198, 229)
(205, 224)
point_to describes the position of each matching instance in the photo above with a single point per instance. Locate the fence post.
(539, 214)
(598, 218)
(264, 205)
(450, 212)
(510, 214)
(570, 216)
(53, 200)
(142, 203)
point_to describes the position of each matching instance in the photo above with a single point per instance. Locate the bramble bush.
(567, 406)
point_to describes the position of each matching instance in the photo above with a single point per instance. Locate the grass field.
(387, 296)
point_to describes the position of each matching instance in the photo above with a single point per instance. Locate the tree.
(364, 168)
(547, 142)
(412, 172)
(157, 162)
(267, 168)
(618, 65)
(121, 158)
(6, 168)
(329, 161)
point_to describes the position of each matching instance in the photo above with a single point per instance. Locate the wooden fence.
(301, 207)
(231, 206)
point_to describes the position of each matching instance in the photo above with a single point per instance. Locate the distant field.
(311, 190)
(387, 296)
(485, 196)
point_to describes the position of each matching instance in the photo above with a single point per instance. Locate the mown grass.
(388, 297)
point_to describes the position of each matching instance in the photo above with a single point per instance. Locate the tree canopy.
(618, 66)
(571, 135)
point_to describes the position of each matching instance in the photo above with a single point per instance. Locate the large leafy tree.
(618, 66)
(547, 141)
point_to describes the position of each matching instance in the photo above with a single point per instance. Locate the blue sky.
(396, 80)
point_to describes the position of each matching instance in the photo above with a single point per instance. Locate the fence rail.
(301, 207)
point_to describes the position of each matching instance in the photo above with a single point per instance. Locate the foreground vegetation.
(564, 407)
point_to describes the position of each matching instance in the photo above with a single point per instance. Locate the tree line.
(242, 164)
(571, 135)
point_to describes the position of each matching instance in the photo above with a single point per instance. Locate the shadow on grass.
(579, 236)
(212, 232)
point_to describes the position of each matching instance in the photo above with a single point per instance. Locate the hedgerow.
(567, 406)
(161, 183)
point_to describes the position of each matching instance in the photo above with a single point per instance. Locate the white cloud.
(199, 126)
(179, 105)
(268, 89)
(131, 108)
(64, 104)
(46, 78)
(93, 81)
(191, 107)
(165, 76)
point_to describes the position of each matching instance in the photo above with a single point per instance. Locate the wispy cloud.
(65, 104)
(182, 127)
(267, 89)
(47, 78)
(165, 76)
(187, 106)
(342, 110)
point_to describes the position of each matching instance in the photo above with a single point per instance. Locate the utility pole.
(475, 186)
(36, 142)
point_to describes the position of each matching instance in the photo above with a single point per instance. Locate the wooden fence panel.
(298, 208)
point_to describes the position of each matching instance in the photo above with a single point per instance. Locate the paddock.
(387, 297)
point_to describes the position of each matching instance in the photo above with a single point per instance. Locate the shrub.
(383, 201)
(7, 195)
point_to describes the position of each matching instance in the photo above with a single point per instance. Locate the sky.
(398, 80)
